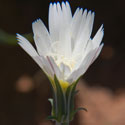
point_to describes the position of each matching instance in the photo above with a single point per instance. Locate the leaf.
(10, 39)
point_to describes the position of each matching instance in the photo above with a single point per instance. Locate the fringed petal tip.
(37, 21)
(66, 3)
(85, 10)
(102, 31)
(26, 45)
(19, 38)
(102, 27)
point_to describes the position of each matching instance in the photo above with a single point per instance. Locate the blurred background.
(24, 89)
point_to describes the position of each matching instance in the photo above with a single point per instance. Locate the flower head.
(66, 49)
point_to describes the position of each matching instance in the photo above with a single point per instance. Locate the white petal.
(98, 37)
(54, 67)
(98, 52)
(41, 37)
(83, 67)
(66, 14)
(53, 22)
(75, 25)
(64, 33)
(69, 13)
(88, 27)
(65, 43)
(65, 70)
(85, 33)
(46, 66)
(89, 24)
(26, 45)
(83, 22)
(79, 57)
(59, 20)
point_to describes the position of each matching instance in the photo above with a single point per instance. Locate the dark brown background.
(19, 108)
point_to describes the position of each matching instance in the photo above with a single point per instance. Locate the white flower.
(67, 50)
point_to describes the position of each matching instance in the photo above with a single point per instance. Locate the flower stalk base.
(62, 103)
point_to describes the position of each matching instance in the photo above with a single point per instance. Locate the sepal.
(70, 94)
(63, 109)
(60, 101)
(76, 110)
(81, 108)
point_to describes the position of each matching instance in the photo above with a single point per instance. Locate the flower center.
(58, 56)
(64, 85)
(62, 59)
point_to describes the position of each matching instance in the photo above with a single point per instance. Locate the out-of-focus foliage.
(10, 39)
